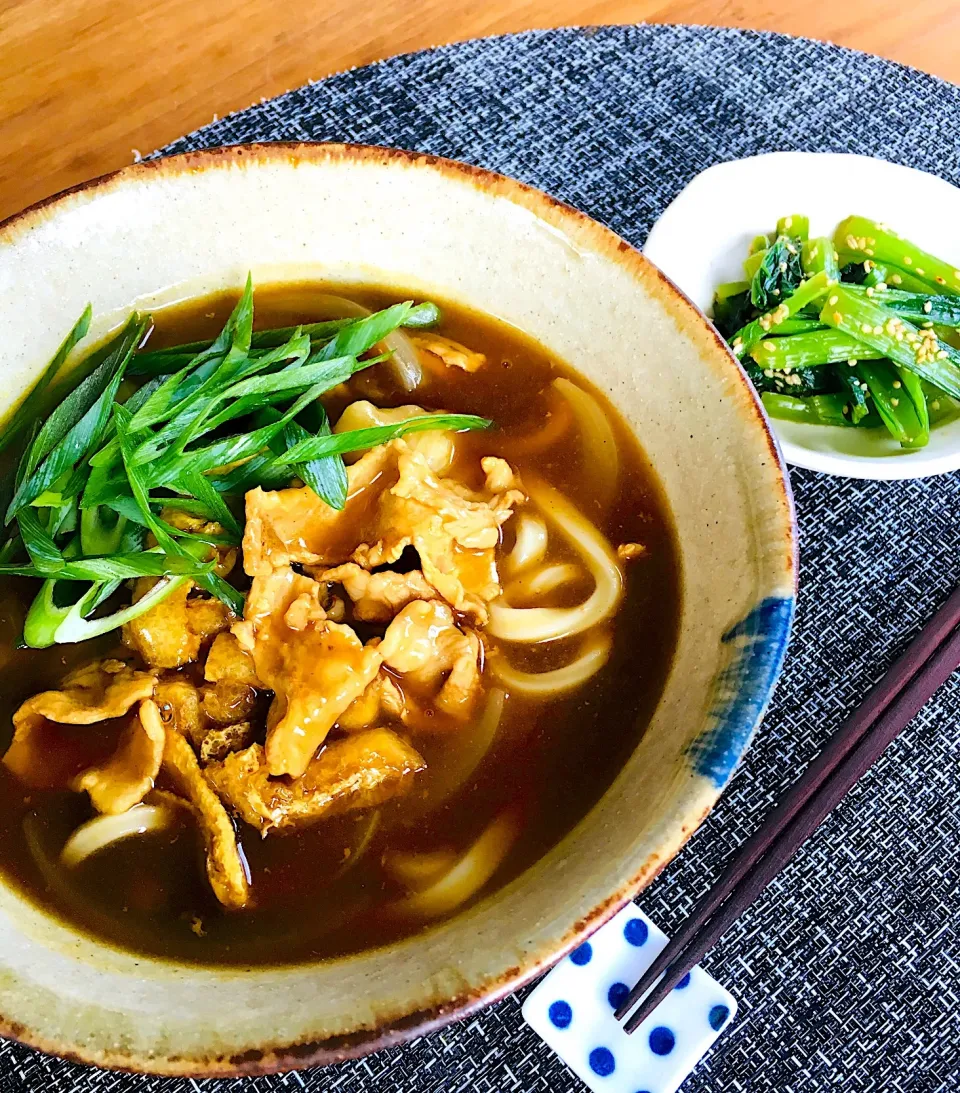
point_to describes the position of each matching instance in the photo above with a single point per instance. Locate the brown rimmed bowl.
(194, 224)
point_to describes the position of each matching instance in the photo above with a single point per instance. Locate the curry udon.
(396, 706)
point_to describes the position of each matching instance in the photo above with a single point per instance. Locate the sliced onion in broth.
(403, 363)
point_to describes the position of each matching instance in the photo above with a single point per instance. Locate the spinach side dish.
(859, 330)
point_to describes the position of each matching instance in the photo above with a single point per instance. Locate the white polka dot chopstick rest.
(572, 1009)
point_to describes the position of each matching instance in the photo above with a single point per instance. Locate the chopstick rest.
(572, 1010)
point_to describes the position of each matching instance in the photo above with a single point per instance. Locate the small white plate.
(703, 235)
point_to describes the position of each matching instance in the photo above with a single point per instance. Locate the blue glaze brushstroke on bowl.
(742, 687)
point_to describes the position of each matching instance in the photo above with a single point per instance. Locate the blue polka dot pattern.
(636, 932)
(685, 982)
(617, 993)
(602, 1061)
(662, 1039)
(560, 1013)
(718, 1016)
(582, 954)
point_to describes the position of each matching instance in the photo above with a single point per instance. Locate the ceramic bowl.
(171, 229)
(703, 235)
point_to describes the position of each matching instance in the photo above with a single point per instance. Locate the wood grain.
(85, 83)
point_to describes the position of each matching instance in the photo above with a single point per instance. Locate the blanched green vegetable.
(811, 410)
(860, 236)
(823, 346)
(778, 274)
(920, 350)
(808, 292)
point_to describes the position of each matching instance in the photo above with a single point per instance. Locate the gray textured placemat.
(848, 970)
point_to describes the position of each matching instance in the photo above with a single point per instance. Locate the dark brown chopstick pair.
(889, 706)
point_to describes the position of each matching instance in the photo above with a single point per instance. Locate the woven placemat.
(848, 970)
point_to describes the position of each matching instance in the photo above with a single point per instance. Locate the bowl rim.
(694, 324)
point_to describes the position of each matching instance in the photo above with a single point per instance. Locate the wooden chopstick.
(888, 707)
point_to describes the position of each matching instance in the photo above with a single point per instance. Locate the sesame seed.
(776, 292)
(940, 280)
(869, 290)
(896, 278)
(928, 326)
(845, 410)
(942, 355)
(833, 300)
(920, 272)
(894, 402)
(956, 274)
(768, 372)
(866, 328)
(837, 318)
(814, 251)
(907, 260)
(878, 330)
(769, 347)
(867, 266)
(853, 363)
(935, 405)
(927, 307)
(788, 222)
(868, 250)
(897, 384)
(783, 267)
(881, 286)
(864, 387)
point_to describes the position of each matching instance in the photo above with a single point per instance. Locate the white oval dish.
(703, 235)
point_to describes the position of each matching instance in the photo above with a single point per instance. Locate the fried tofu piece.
(181, 707)
(101, 691)
(220, 741)
(453, 354)
(356, 772)
(427, 648)
(215, 719)
(170, 635)
(377, 597)
(315, 667)
(228, 660)
(227, 702)
(128, 776)
(226, 867)
(226, 556)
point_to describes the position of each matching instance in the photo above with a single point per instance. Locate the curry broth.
(322, 892)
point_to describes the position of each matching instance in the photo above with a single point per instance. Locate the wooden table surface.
(85, 83)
